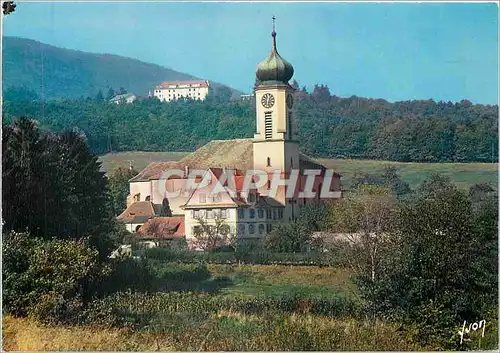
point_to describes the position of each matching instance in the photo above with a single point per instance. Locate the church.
(246, 212)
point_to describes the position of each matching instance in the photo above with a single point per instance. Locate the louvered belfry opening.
(269, 125)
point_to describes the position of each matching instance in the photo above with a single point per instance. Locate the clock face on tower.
(289, 101)
(267, 100)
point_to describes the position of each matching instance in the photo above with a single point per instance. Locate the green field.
(463, 174)
(139, 160)
(186, 315)
(254, 281)
(228, 308)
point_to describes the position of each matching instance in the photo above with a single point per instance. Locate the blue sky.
(392, 51)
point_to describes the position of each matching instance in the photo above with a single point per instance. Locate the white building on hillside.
(172, 90)
(123, 98)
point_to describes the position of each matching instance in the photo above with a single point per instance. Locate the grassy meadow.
(463, 174)
(221, 331)
(186, 315)
(256, 281)
(226, 308)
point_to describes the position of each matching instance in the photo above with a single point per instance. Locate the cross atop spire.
(274, 33)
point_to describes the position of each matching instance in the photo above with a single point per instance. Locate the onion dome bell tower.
(274, 146)
(274, 69)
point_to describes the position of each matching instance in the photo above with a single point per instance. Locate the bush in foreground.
(49, 280)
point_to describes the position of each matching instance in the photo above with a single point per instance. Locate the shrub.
(442, 265)
(48, 280)
(260, 257)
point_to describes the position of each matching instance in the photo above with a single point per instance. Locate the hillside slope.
(65, 73)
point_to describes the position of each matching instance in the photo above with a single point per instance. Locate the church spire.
(274, 69)
(274, 34)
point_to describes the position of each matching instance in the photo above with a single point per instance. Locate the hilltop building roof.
(183, 84)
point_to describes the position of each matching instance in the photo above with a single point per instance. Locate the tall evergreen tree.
(111, 93)
(99, 96)
(52, 185)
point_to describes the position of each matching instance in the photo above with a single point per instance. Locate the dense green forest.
(327, 125)
(54, 72)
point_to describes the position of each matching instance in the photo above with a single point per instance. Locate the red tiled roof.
(138, 212)
(166, 84)
(163, 227)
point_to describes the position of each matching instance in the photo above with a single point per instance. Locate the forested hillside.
(328, 126)
(62, 73)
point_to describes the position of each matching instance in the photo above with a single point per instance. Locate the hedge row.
(256, 258)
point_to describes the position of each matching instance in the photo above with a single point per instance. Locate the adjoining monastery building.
(272, 150)
(172, 90)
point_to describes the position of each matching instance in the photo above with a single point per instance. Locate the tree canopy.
(327, 126)
(52, 185)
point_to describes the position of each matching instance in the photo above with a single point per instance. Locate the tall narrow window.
(268, 125)
(290, 125)
(268, 161)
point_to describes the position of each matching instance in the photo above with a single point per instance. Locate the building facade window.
(223, 213)
(252, 213)
(203, 198)
(261, 228)
(251, 229)
(216, 197)
(241, 229)
(260, 213)
(268, 161)
(241, 213)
